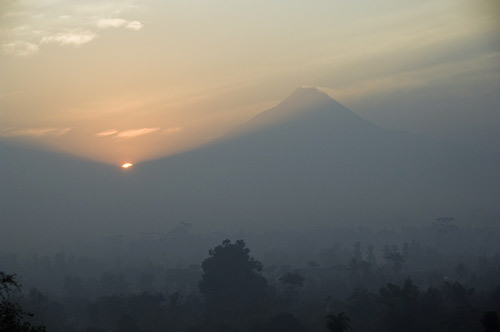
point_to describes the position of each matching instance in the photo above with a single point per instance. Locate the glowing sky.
(125, 81)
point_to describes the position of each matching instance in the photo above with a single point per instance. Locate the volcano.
(309, 161)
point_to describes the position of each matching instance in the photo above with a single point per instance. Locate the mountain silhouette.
(308, 161)
(306, 105)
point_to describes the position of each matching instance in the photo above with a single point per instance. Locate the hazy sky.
(132, 80)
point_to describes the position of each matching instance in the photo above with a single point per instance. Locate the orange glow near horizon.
(92, 79)
(127, 165)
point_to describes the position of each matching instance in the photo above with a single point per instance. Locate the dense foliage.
(361, 287)
(12, 316)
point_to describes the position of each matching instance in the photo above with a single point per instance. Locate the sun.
(127, 165)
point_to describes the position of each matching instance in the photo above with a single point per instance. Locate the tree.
(127, 324)
(395, 257)
(231, 281)
(284, 322)
(402, 304)
(461, 271)
(370, 255)
(490, 322)
(12, 316)
(312, 264)
(338, 323)
(357, 255)
(292, 280)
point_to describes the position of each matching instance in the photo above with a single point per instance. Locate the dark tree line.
(232, 291)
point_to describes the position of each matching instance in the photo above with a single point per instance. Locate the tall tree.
(490, 322)
(338, 323)
(370, 255)
(292, 280)
(231, 281)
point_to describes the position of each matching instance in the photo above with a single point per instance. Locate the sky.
(131, 80)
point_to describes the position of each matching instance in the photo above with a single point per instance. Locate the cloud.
(135, 25)
(76, 39)
(107, 133)
(172, 130)
(104, 23)
(67, 26)
(35, 132)
(135, 132)
(62, 132)
(20, 48)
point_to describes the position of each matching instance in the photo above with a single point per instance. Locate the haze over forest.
(339, 162)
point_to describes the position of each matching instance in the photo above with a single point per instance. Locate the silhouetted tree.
(406, 250)
(174, 301)
(370, 255)
(457, 294)
(127, 324)
(12, 316)
(402, 306)
(145, 281)
(292, 280)
(73, 287)
(490, 322)
(37, 299)
(395, 257)
(353, 267)
(357, 255)
(461, 271)
(284, 322)
(231, 282)
(445, 225)
(312, 264)
(338, 323)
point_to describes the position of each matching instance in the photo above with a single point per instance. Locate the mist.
(215, 166)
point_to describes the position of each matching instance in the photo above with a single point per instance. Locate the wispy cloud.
(132, 133)
(67, 25)
(35, 132)
(104, 23)
(135, 25)
(74, 38)
(20, 48)
(107, 133)
(63, 131)
(172, 130)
